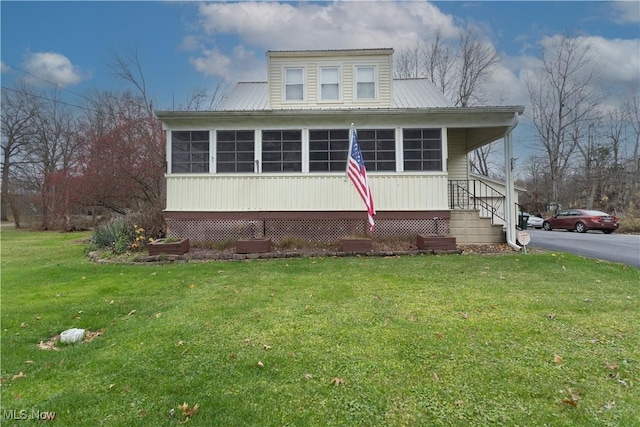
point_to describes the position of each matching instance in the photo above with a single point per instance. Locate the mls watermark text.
(27, 414)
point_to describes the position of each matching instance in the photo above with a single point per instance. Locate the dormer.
(316, 79)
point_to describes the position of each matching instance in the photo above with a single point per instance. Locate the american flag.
(357, 172)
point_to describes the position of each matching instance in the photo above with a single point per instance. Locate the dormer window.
(365, 83)
(329, 84)
(294, 84)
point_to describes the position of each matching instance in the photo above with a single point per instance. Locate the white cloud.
(626, 12)
(256, 27)
(337, 25)
(619, 59)
(51, 68)
(4, 68)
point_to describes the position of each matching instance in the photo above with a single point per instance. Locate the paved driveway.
(616, 247)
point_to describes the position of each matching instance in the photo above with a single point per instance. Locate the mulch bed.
(380, 249)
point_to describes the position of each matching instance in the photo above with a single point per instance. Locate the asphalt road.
(615, 247)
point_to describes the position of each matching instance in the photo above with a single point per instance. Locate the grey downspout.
(508, 166)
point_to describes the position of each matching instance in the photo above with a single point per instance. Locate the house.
(270, 160)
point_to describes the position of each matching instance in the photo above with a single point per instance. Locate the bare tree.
(563, 101)
(458, 69)
(477, 60)
(51, 155)
(632, 113)
(439, 62)
(19, 109)
(407, 64)
(201, 99)
(129, 69)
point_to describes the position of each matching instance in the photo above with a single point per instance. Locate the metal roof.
(409, 93)
(418, 93)
(246, 96)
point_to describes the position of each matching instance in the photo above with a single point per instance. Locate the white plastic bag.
(72, 335)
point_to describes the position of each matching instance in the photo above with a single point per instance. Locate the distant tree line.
(67, 166)
(588, 139)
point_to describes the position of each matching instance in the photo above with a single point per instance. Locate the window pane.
(294, 76)
(294, 84)
(294, 92)
(329, 75)
(235, 151)
(365, 74)
(189, 151)
(328, 150)
(366, 91)
(330, 91)
(422, 149)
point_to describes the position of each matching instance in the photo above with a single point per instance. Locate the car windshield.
(595, 213)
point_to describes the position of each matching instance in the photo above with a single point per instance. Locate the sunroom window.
(281, 151)
(235, 151)
(190, 151)
(422, 149)
(378, 148)
(328, 150)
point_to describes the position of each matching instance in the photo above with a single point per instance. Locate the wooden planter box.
(159, 246)
(441, 243)
(253, 246)
(356, 245)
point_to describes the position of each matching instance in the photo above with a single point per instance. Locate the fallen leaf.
(267, 347)
(260, 364)
(308, 376)
(49, 345)
(19, 376)
(38, 317)
(188, 412)
(557, 358)
(573, 398)
(132, 312)
(464, 315)
(337, 381)
(459, 403)
(438, 335)
(23, 325)
(180, 343)
(90, 335)
(551, 316)
(158, 315)
(111, 386)
(612, 366)
(436, 377)
(17, 397)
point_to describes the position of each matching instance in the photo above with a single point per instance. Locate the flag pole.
(346, 170)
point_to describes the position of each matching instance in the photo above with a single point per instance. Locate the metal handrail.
(476, 194)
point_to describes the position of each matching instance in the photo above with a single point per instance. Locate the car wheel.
(580, 227)
(607, 231)
(547, 226)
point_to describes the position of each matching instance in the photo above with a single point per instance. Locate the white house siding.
(311, 63)
(458, 163)
(303, 192)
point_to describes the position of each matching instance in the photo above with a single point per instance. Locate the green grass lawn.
(475, 340)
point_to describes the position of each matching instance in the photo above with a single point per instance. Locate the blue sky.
(183, 46)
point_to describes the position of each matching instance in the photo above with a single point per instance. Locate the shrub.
(117, 235)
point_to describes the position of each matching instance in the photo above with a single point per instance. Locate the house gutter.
(508, 167)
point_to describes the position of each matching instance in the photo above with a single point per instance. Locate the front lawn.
(477, 340)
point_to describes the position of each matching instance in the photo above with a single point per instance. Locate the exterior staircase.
(477, 213)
